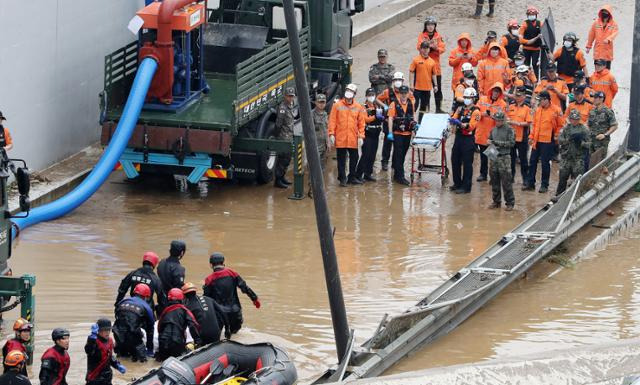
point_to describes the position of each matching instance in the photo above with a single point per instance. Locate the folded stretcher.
(430, 137)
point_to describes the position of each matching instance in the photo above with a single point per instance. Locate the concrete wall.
(51, 71)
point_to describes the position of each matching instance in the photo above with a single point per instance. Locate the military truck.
(230, 72)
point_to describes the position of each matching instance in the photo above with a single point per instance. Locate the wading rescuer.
(22, 329)
(222, 285)
(574, 142)
(132, 316)
(100, 359)
(172, 327)
(55, 360)
(372, 130)
(402, 120)
(15, 362)
(285, 119)
(170, 271)
(5, 137)
(208, 313)
(146, 275)
(465, 120)
(346, 132)
(503, 138)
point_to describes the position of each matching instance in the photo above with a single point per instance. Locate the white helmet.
(398, 76)
(522, 68)
(351, 87)
(470, 92)
(467, 67)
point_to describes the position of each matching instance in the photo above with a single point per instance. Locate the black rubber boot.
(478, 11)
(279, 183)
(491, 7)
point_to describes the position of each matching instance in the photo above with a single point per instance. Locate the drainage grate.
(511, 255)
(466, 286)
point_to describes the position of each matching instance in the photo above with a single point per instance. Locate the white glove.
(360, 141)
(333, 140)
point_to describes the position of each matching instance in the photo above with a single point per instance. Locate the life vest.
(532, 30)
(105, 357)
(567, 62)
(63, 360)
(513, 44)
(3, 139)
(465, 118)
(402, 120)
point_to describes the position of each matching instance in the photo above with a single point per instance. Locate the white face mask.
(519, 62)
(532, 17)
(467, 102)
(370, 99)
(397, 83)
(568, 43)
(468, 82)
(349, 94)
(515, 32)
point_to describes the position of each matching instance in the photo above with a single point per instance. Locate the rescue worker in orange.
(373, 127)
(483, 52)
(491, 70)
(22, 329)
(547, 122)
(346, 133)
(556, 87)
(436, 48)
(531, 39)
(520, 116)
(511, 40)
(580, 80)
(465, 120)
(522, 78)
(569, 59)
(468, 80)
(5, 136)
(603, 80)
(579, 103)
(402, 120)
(488, 104)
(603, 32)
(422, 79)
(463, 53)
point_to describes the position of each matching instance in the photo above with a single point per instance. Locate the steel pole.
(634, 112)
(323, 219)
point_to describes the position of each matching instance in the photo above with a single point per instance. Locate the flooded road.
(394, 246)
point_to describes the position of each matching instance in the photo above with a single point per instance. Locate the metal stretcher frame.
(431, 137)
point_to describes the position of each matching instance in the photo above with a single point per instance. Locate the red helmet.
(143, 290)
(531, 10)
(151, 257)
(175, 294)
(513, 23)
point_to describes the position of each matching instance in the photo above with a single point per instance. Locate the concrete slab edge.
(392, 20)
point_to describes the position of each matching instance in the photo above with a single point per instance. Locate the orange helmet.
(14, 358)
(513, 23)
(188, 288)
(531, 10)
(22, 324)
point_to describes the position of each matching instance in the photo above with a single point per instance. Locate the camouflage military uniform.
(600, 119)
(320, 121)
(503, 137)
(380, 76)
(284, 131)
(573, 141)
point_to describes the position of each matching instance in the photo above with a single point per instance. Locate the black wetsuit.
(146, 275)
(133, 314)
(210, 316)
(172, 325)
(222, 285)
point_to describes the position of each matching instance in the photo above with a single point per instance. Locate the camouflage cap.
(290, 91)
(321, 98)
(382, 52)
(575, 114)
(499, 115)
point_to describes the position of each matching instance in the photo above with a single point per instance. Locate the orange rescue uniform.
(602, 35)
(346, 123)
(492, 70)
(547, 123)
(392, 114)
(519, 114)
(559, 85)
(385, 97)
(486, 123)
(604, 81)
(456, 59)
(584, 108)
(424, 70)
(436, 50)
(579, 57)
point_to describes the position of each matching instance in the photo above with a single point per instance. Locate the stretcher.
(431, 136)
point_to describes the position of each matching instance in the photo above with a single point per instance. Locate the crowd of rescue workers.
(500, 110)
(162, 317)
(514, 101)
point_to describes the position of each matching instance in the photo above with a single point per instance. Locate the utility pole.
(634, 111)
(323, 219)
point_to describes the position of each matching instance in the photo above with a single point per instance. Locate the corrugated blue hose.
(108, 160)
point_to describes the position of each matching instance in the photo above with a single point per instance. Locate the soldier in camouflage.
(285, 119)
(381, 73)
(503, 138)
(320, 122)
(574, 141)
(602, 123)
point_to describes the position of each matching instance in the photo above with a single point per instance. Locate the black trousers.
(484, 161)
(543, 153)
(438, 95)
(282, 165)
(401, 145)
(423, 100)
(369, 150)
(342, 153)
(462, 154)
(387, 145)
(521, 149)
(532, 58)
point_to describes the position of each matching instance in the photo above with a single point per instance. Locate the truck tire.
(266, 167)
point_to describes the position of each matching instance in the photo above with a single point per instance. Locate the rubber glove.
(455, 122)
(571, 97)
(190, 346)
(416, 127)
(256, 303)
(150, 353)
(94, 332)
(386, 108)
(121, 368)
(333, 140)
(390, 136)
(360, 141)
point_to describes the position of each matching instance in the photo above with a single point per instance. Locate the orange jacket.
(519, 114)
(582, 62)
(523, 41)
(547, 123)
(7, 137)
(605, 82)
(486, 123)
(492, 70)
(346, 123)
(456, 60)
(473, 122)
(385, 98)
(437, 48)
(584, 108)
(483, 52)
(559, 84)
(600, 32)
